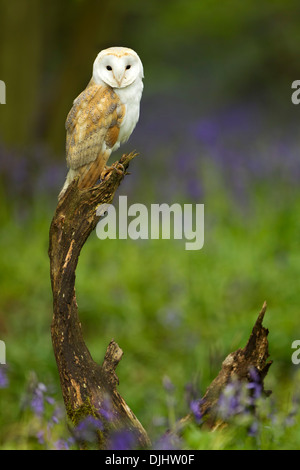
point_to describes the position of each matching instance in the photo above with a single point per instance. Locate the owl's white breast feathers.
(130, 97)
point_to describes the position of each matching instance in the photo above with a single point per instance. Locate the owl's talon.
(118, 167)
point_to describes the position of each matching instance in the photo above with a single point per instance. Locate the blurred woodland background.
(218, 127)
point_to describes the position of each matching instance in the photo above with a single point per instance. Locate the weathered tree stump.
(236, 366)
(87, 387)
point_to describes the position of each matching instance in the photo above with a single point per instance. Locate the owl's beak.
(119, 75)
(119, 78)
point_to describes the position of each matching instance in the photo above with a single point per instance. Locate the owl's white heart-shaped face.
(117, 67)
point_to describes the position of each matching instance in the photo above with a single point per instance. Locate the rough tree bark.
(86, 386)
(236, 366)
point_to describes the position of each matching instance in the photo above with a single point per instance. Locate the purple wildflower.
(55, 419)
(50, 400)
(255, 384)
(106, 410)
(41, 437)
(3, 377)
(61, 444)
(87, 430)
(206, 130)
(122, 440)
(168, 385)
(57, 414)
(230, 400)
(168, 442)
(253, 429)
(37, 402)
(170, 317)
(196, 410)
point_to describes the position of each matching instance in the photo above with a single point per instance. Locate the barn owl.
(104, 115)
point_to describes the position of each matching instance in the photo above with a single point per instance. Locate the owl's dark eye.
(108, 67)
(128, 67)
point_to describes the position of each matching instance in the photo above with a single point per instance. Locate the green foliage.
(174, 313)
(270, 426)
(217, 50)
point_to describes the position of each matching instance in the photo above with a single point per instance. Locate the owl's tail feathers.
(88, 174)
(70, 176)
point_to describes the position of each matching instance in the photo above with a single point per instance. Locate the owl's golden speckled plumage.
(104, 115)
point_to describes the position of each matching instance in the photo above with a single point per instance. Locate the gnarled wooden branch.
(236, 366)
(86, 386)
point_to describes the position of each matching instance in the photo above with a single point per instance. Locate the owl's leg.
(118, 167)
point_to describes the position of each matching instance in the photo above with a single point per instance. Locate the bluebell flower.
(62, 444)
(122, 440)
(41, 437)
(253, 429)
(230, 402)
(106, 410)
(87, 430)
(255, 384)
(57, 414)
(37, 401)
(196, 410)
(167, 384)
(3, 377)
(168, 442)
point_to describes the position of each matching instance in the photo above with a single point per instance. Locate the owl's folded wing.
(92, 125)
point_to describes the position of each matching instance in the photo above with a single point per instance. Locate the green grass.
(174, 313)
